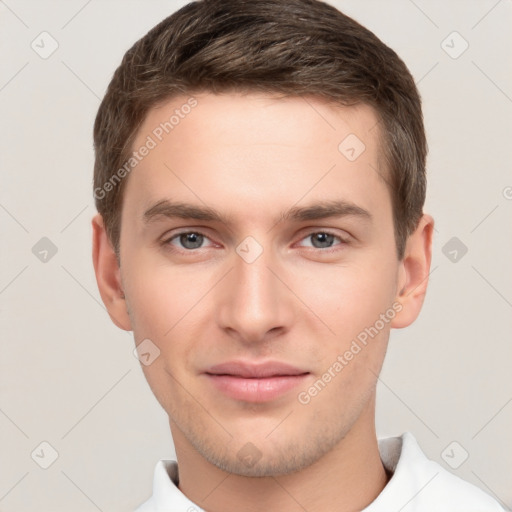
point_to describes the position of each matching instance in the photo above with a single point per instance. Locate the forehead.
(242, 115)
(238, 149)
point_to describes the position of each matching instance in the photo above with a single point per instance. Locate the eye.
(323, 240)
(188, 240)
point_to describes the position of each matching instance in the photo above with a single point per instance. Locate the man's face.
(256, 289)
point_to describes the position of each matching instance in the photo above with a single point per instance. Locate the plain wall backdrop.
(68, 376)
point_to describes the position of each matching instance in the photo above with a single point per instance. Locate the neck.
(348, 478)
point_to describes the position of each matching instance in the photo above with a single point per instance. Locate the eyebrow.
(316, 211)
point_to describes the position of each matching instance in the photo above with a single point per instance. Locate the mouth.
(255, 382)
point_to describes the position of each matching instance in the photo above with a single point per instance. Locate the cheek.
(159, 296)
(164, 301)
(348, 298)
(152, 308)
(160, 302)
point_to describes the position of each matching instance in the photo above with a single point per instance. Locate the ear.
(414, 272)
(108, 275)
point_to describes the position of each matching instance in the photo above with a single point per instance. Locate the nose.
(255, 303)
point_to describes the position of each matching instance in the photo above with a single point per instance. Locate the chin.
(266, 458)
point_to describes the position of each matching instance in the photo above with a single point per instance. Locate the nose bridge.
(255, 301)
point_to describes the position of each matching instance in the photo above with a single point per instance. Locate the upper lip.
(255, 370)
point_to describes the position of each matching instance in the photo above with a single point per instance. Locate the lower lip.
(256, 389)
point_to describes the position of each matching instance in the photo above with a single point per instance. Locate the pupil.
(323, 239)
(191, 240)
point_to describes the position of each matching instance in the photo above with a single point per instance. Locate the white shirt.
(417, 485)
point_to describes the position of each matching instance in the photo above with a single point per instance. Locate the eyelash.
(167, 242)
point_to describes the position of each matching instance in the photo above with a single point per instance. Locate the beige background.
(68, 376)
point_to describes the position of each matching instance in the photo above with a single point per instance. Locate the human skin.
(252, 157)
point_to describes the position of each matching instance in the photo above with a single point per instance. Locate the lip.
(252, 382)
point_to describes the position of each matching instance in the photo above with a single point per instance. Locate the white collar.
(417, 485)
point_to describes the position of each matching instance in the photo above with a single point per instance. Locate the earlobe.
(108, 275)
(414, 272)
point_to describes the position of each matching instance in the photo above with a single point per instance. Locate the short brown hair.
(290, 47)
